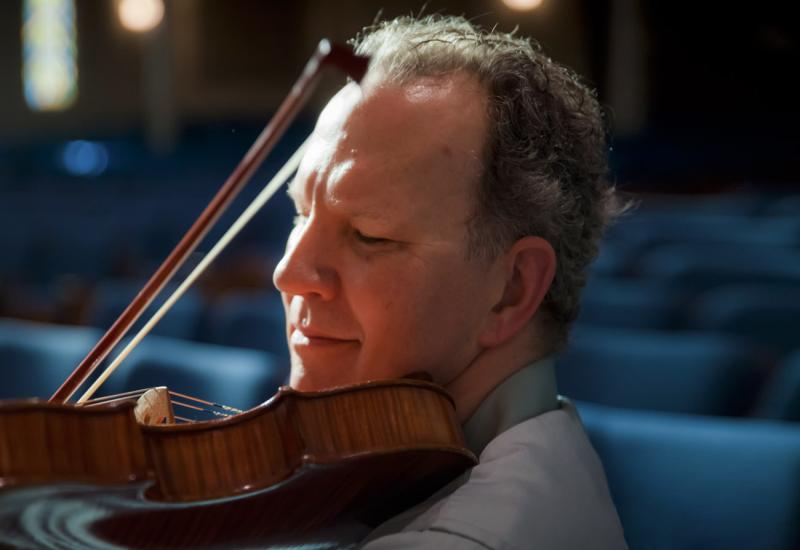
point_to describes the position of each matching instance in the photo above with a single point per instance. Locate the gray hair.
(545, 162)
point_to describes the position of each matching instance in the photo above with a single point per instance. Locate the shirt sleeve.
(429, 539)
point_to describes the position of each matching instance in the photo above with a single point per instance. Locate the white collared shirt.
(539, 483)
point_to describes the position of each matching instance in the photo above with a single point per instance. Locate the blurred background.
(120, 119)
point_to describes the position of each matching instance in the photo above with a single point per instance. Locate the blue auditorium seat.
(787, 205)
(15, 241)
(631, 303)
(768, 315)
(698, 268)
(110, 299)
(614, 259)
(240, 378)
(638, 236)
(780, 396)
(737, 203)
(688, 483)
(649, 229)
(667, 371)
(249, 319)
(36, 358)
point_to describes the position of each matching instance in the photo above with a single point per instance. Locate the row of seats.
(683, 482)
(36, 358)
(98, 232)
(695, 267)
(757, 201)
(687, 372)
(693, 306)
(766, 315)
(249, 319)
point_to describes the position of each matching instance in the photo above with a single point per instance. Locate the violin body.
(75, 477)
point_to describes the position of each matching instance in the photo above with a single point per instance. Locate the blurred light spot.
(49, 54)
(140, 15)
(84, 158)
(523, 5)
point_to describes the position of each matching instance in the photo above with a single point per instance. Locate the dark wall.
(109, 77)
(703, 89)
(231, 59)
(730, 66)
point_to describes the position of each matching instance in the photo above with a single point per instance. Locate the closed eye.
(367, 239)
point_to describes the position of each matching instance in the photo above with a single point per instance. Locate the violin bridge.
(154, 407)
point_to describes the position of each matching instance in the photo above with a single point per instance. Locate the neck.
(489, 368)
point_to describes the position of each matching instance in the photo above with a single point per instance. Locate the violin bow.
(327, 54)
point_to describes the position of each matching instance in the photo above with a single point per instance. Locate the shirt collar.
(528, 392)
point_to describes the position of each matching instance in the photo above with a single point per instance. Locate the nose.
(306, 268)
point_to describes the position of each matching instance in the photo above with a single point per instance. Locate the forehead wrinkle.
(321, 156)
(351, 193)
(354, 154)
(337, 189)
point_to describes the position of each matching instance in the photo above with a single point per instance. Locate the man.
(446, 211)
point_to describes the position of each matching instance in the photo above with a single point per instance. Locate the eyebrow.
(346, 207)
(357, 207)
(378, 219)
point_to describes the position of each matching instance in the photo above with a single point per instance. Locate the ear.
(528, 267)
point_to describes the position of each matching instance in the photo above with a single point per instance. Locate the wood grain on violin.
(287, 466)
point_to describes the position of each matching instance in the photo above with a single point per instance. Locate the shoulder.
(538, 485)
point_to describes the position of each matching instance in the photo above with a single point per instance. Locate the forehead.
(378, 142)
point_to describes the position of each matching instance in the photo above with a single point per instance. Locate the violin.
(126, 470)
(73, 476)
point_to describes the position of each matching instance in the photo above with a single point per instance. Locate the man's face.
(375, 279)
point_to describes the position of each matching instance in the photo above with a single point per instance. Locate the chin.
(304, 378)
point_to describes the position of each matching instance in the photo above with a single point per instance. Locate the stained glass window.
(49, 51)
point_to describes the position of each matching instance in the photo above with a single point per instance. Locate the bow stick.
(327, 54)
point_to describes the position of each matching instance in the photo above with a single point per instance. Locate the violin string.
(98, 400)
(184, 419)
(106, 402)
(130, 393)
(269, 190)
(187, 405)
(89, 404)
(202, 409)
(108, 399)
(124, 396)
(209, 406)
(203, 401)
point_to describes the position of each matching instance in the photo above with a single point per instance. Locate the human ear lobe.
(530, 265)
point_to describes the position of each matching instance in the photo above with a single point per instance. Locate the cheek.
(388, 300)
(385, 299)
(415, 310)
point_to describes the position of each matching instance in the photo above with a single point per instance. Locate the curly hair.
(545, 158)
